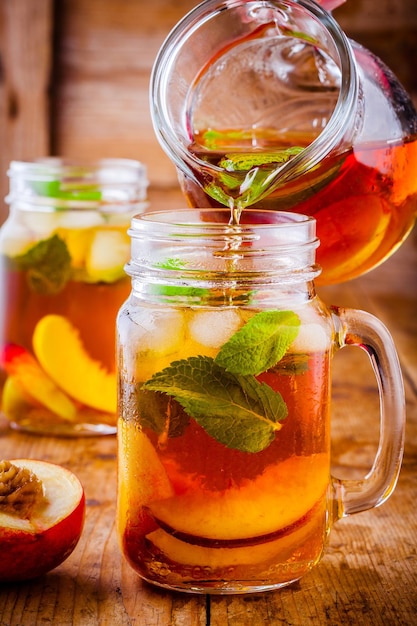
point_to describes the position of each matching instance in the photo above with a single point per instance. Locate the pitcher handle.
(359, 328)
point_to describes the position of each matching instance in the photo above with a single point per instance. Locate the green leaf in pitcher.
(246, 176)
(47, 265)
(244, 161)
(260, 344)
(239, 412)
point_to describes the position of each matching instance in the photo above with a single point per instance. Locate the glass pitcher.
(268, 104)
(225, 366)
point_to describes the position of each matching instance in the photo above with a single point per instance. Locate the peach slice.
(30, 381)
(142, 477)
(78, 241)
(277, 498)
(37, 541)
(15, 400)
(59, 349)
(312, 530)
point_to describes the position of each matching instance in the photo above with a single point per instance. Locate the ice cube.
(109, 251)
(42, 224)
(15, 238)
(159, 331)
(79, 219)
(214, 328)
(311, 338)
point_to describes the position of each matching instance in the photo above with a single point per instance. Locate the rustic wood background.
(74, 74)
(74, 78)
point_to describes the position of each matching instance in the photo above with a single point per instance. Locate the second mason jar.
(62, 254)
(225, 361)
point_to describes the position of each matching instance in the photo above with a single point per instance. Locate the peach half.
(38, 537)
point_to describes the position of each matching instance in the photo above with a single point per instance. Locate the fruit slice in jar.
(59, 349)
(142, 478)
(280, 549)
(42, 512)
(278, 497)
(15, 401)
(28, 380)
(106, 258)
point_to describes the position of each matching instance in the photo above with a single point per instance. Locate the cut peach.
(142, 477)
(312, 530)
(30, 381)
(39, 541)
(59, 349)
(275, 499)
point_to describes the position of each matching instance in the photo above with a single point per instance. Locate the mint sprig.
(260, 344)
(47, 265)
(76, 191)
(244, 161)
(222, 394)
(246, 176)
(237, 411)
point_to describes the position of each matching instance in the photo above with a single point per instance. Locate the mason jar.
(225, 367)
(62, 253)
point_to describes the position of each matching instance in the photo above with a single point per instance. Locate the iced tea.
(221, 506)
(62, 255)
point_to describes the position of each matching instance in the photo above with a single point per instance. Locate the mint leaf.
(172, 263)
(243, 161)
(238, 411)
(161, 414)
(82, 191)
(47, 265)
(177, 290)
(260, 344)
(246, 176)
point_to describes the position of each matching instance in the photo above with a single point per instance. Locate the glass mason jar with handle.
(268, 104)
(62, 254)
(225, 368)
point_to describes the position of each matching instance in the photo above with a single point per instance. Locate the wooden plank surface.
(368, 575)
(25, 72)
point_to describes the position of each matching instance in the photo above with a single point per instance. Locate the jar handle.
(364, 330)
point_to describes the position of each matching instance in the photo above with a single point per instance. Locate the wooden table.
(369, 573)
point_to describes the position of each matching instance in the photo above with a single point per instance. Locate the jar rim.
(191, 218)
(44, 167)
(202, 242)
(50, 183)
